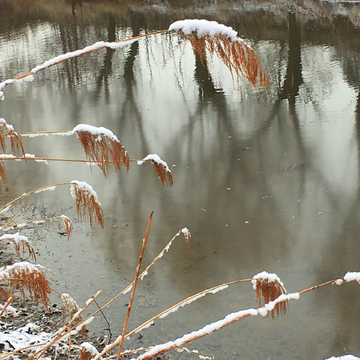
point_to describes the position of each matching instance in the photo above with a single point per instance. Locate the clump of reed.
(270, 294)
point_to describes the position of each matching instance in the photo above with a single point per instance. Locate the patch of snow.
(154, 158)
(270, 277)
(203, 28)
(96, 131)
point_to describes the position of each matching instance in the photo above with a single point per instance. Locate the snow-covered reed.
(214, 38)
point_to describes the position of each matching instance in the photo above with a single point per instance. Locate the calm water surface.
(264, 178)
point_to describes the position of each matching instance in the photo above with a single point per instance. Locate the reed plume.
(69, 307)
(161, 168)
(28, 278)
(269, 287)
(87, 205)
(223, 41)
(102, 147)
(21, 244)
(8, 130)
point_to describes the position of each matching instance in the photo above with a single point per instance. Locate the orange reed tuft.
(103, 150)
(235, 54)
(8, 130)
(26, 277)
(21, 244)
(87, 204)
(269, 288)
(68, 225)
(163, 173)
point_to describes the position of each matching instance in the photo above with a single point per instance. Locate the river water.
(265, 178)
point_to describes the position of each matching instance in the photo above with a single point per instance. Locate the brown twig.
(134, 286)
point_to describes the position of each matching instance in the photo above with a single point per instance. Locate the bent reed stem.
(135, 38)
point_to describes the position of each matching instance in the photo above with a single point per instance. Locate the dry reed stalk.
(268, 287)
(87, 204)
(166, 248)
(2, 228)
(8, 302)
(66, 221)
(102, 147)
(27, 277)
(43, 188)
(70, 55)
(134, 286)
(2, 174)
(221, 40)
(230, 318)
(8, 130)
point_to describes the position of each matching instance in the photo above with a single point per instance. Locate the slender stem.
(204, 292)
(60, 159)
(89, 51)
(13, 218)
(44, 132)
(30, 192)
(134, 287)
(317, 286)
(9, 300)
(29, 221)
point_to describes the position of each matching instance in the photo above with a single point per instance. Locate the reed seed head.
(161, 168)
(21, 244)
(87, 205)
(223, 41)
(28, 278)
(268, 287)
(102, 147)
(16, 143)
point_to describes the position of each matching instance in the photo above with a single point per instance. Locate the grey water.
(265, 178)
